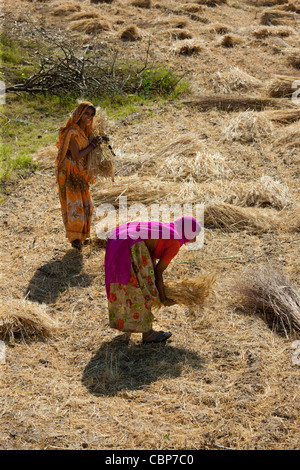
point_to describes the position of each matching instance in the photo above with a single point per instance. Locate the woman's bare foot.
(156, 336)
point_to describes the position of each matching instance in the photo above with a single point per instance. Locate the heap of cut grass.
(231, 218)
(278, 17)
(248, 126)
(269, 292)
(22, 319)
(261, 32)
(131, 33)
(230, 40)
(188, 47)
(267, 192)
(289, 137)
(234, 79)
(283, 116)
(282, 86)
(293, 57)
(189, 291)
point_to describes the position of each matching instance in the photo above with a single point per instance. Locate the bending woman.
(137, 254)
(71, 173)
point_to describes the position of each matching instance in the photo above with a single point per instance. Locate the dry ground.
(226, 380)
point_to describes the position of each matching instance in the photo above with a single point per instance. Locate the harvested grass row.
(282, 86)
(233, 103)
(230, 40)
(203, 167)
(261, 32)
(267, 192)
(234, 79)
(268, 292)
(284, 116)
(232, 218)
(278, 17)
(141, 3)
(188, 47)
(22, 319)
(189, 291)
(293, 57)
(289, 137)
(246, 127)
(66, 9)
(89, 25)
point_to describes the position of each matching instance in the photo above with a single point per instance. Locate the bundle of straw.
(189, 291)
(100, 160)
(289, 137)
(24, 319)
(234, 218)
(248, 126)
(269, 292)
(282, 86)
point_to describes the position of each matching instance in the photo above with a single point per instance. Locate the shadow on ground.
(53, 278)
(120, 366)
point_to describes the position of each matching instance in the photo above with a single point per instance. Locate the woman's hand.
(168, 302)
(96, 141)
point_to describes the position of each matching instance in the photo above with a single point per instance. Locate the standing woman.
(137, 254)
(71, 173)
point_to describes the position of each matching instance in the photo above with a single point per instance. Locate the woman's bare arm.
(158, 271)
(79, 154)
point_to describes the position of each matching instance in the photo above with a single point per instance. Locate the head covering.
(71, 128)
(117, 255)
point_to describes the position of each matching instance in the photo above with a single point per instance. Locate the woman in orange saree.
(71, 173)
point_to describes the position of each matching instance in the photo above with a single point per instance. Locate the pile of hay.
(269, 292)
(278, 17)
(22, 319)
(266, 31)
(234, 79)
(231, 218)
(248, 126)
(203, 167)
(46, 156)
(189, 291)
(293, 57)
(282, 86)
(185, 145)
(141, 3)
(230, 40)
(131, 33)
(289, 137)
(89, 25)
(180, 34)
(265, 193)
(284, 116)
(100, 161)
(218, 28)
(57, 9)
(188, 47)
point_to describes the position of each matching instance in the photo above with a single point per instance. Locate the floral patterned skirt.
(129, 306)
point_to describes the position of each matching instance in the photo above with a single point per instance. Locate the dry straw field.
(229, 377)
